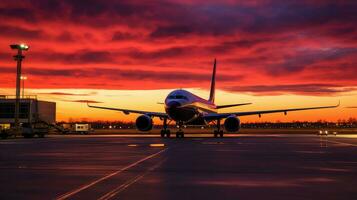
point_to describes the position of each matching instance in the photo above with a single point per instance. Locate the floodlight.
(21, 46)
(18, 58)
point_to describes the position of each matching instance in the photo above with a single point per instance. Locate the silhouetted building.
(31, 110)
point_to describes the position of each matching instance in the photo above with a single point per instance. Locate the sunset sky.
(131, 54)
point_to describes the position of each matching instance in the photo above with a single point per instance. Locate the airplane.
(185, 108)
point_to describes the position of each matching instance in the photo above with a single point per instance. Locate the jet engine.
(232, 124)
(144, 123)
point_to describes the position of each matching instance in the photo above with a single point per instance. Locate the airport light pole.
(18, 57)
(23, 78)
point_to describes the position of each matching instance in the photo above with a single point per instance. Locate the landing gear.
(165, 131)
(179, 133)
(218, 132)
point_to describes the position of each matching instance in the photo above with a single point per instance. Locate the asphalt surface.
(260, 166)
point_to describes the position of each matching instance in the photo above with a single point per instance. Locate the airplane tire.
(179, 134)
(168, 133)
(165, 133)
(215, 133)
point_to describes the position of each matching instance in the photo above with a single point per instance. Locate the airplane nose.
(173, 105)
(172, 109)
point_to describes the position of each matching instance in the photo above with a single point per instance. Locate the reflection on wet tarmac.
(265, 183)
(279, 167)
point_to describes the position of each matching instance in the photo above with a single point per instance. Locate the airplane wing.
(232, 105)
(127, 111)
(212, 116)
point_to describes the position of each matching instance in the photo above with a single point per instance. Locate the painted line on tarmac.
(128, 183)
(344, 143)
(83, 187)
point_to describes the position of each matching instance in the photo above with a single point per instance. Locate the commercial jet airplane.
(185, 108)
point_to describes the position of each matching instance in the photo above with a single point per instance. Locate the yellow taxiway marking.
(157, 145)
(344, 143)
(83, 187)
(354, 136)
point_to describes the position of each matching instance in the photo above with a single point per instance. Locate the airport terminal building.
(32, 110)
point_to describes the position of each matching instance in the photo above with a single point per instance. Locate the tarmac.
(258, 166)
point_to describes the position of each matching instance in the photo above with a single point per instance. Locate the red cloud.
(261, 46)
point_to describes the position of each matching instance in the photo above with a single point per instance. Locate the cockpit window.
(181, 97)
(177, 97)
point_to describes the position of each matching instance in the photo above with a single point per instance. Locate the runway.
(262, 166)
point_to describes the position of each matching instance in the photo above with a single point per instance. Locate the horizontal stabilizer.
(232, 105)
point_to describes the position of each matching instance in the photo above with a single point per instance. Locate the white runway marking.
(127, 184)
(69, 194)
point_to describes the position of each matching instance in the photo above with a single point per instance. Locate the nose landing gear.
(180, 133)
(165, 131)
(218, 132)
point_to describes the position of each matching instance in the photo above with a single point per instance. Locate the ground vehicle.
(81, 128)
(29, 130)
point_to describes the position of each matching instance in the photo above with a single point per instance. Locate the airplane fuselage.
(183, 106)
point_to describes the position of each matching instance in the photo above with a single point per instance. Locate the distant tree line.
(350, 123)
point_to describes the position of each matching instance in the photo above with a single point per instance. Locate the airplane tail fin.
(213, 83)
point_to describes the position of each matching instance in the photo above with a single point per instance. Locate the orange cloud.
(264, 48)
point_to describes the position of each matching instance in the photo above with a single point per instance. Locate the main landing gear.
(218, 132)
(165, 131)
(179, 133)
